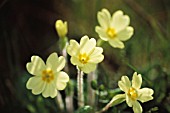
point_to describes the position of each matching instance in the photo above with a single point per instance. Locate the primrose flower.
(114, 29)
(61, 28)
(85, 55)
(133, 92)
(47, 78)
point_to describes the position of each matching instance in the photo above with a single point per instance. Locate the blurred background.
(27, 27)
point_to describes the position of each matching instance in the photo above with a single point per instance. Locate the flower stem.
(69, 97)
(91, 93)
(59, 101)
(80, 88)
(69, 103)
(105, 108)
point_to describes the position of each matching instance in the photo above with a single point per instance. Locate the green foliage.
(85, 109)
(94, 84)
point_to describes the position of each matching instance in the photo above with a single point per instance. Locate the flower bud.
(61, 28)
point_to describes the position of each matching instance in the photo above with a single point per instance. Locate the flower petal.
(116, 43)
(50, 90)
(61, 63)
(125, 34)
(89, 67)
(73, 48)
(61, 85)
(136, 80)
(97, 51)
(145, 94)
(39, 88)
(120, 21)
(75, 61)
(86, 45)
(61, 80)
(124, 84)
(102, 33)
(33, 81)
(51, 60)
(96, 59)
(96, 55)
(137, 108)
(62, 77)
(104, 18)
(35, 66)
(129, 101)
(56, 63)
(84, 40)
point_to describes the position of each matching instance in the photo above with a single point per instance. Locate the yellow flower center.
(83, 58)
(47, 75)
(132, 93)
(111, 32)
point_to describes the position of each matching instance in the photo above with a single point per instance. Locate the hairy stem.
(59, 101)
(91, 93)
(105, 108)
(80, 88)
(69, 103)
(69, 97)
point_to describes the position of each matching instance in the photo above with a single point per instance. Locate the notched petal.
(35, 66)
(136, 80)
(124, 84)
(73, 48)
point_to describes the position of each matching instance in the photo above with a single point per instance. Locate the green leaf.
(117, 99)
(113, 92)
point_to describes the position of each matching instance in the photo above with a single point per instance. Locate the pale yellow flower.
(85, 55)
(61, 28)
(47, 78)
(115, 28)
(133, 92)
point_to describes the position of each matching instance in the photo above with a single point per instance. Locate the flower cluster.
(48, 77)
